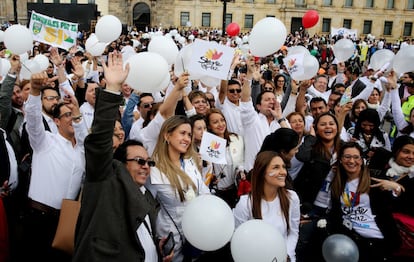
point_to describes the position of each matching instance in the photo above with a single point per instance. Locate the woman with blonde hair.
(175, 179)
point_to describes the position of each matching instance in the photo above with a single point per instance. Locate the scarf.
(395, 171)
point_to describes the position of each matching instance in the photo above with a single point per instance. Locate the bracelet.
(281, 120)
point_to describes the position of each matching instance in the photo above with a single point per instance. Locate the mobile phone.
(169, 245)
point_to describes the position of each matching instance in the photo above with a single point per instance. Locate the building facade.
(391, 19)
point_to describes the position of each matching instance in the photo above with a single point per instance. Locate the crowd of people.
(316, 164)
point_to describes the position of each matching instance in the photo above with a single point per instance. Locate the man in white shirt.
(258, 125)
(58, 168)
(145, 103)
(228, 103)
(319, 88)
(88, 107)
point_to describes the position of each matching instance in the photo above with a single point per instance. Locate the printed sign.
(52, 31)
(294, 64)
(211, 59)
(213, 148)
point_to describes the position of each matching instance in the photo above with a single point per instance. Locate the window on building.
(184, 18)
(249, 1)
(205, 19)
(229, 19)
(367, 27)
(248, 21)
(388, 28)
(271, 1)
(347, 23)
(390, 4)
(348, 3)
(326, 25)
(410, 4)
(408, 29)
(299, 2)
(369, 3)
(270, 16)
(327, 2)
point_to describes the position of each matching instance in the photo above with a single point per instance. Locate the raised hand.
(38, 82)
(77, 67)
(114, 72)
(55, 57)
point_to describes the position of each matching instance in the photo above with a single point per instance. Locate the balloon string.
(26, 68)
(182, 62)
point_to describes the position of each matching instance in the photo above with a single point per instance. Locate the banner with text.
(52, 31)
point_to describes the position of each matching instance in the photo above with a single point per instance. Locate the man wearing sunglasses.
(145, 103)
(228, 103)
(117, 215)
(58, 168)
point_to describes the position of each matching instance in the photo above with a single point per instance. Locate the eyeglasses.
(51, 98)
(148, 105)
(67, 114)
(142, 161)
(349, 157)
(268, 89)
(280, 81)
(238, 91)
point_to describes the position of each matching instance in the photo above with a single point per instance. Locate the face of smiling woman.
(326, 128)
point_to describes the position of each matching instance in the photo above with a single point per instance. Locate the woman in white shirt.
(270, 200)
(175, 180)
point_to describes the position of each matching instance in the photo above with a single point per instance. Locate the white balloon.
(208, 222)
(42, 61)
(403, 60)
(165, 47)
(182, 40)
(4, 66)
(380, 58)
(135, 43)
(343, 49)
(245, 39)
(191, 37)
(267, 36)
(24, 57)
(238, 40)
(18, 39)
(209, 81)
(297, 50)
(310, 68)
(144, 71)
(255, 240)
(158, 33)
(146, 36)
(1, 36)
(93, 46)
(173, 32)
(127, 52)
(29, 67)
(168, 35)
(166, 81)
(108, 28)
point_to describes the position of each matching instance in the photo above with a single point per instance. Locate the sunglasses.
(51, 98)
(148, 105)
(268, 89)
(142, 161)
(67, 114)
(238, 91)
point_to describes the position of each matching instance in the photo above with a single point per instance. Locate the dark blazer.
(113, 207)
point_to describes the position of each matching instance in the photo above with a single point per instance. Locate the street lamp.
(224, 15)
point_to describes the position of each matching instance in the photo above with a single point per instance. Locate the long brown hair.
(226, 132)
(256, 195)
(177, 177)
(319, 146)
(339, 180)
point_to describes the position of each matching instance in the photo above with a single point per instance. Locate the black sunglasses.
(142, 161)
(147, 105)
(238, 91)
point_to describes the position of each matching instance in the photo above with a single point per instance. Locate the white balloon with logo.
(42, 61)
